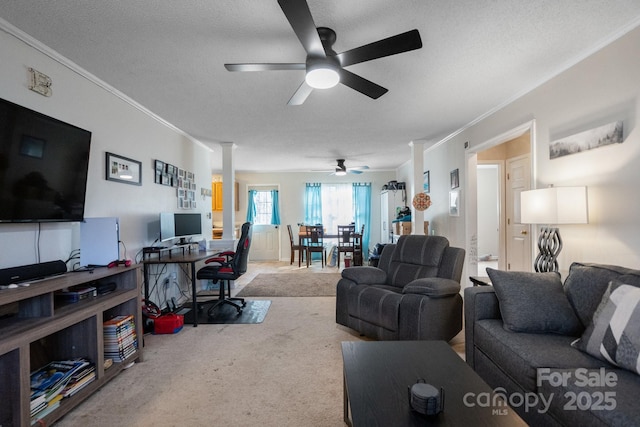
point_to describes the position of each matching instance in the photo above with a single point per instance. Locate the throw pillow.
(614, 333)
(534, 303)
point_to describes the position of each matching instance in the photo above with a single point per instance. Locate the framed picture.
(159, 170)
(454, 203)
(122, 169)
(455, 179)
(425, 182)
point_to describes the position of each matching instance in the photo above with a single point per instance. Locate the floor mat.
(254, 312)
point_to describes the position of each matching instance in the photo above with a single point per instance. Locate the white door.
(265, 244)
(518, 235)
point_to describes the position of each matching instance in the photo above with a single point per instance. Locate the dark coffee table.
(377, 375)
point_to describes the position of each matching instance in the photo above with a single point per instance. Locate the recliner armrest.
(365, 275)
(433, 287)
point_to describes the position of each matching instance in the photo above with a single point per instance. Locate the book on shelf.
(48, 384)
(120, 338)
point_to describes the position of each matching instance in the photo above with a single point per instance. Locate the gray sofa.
(413, 293)
(519, 334)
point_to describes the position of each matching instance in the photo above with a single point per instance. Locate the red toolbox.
(169, 323)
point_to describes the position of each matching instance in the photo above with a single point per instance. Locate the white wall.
(292, 187)
(116, 127)
(602, 88)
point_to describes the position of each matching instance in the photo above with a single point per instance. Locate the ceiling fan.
(324, 67)
(341, 169)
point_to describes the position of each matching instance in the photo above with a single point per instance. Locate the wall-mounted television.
(182, 225)
(43, 167)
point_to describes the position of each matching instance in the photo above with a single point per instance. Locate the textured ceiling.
(168, 56)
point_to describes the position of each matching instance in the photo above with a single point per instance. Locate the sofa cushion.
(614, 333)
(586, 283)
(519, 355)
(433, 287)
(415, 257)
(534, 302)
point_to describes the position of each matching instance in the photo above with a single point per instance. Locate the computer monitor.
(187, 225)
(167, 226)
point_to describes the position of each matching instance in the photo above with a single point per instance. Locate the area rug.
(291, 285)
(253, 312)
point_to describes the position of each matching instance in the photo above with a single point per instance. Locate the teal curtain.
(313, 203)
(251, 206)
(275, 208)
(362, 212)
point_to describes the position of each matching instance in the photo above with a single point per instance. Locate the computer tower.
(99, 240)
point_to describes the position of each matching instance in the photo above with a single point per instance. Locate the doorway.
(502, 170)
(265, 245)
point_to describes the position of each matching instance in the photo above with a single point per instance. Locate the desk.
(190, 258)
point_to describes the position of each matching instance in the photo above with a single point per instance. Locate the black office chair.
(228, 266)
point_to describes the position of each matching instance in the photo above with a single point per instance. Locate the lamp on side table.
(552, 206)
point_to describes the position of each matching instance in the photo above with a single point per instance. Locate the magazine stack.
(55, 381)
(120, 340)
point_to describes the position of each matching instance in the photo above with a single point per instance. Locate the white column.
(417, 167)
(228, 194)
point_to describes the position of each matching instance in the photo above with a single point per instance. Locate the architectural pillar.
(417, 168)
(228, 193)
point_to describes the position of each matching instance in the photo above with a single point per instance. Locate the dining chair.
(296, 247)
(346, 240)
(315, 242)
(358, 256)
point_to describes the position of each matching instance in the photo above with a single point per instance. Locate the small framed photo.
(455, 179)
(123, 170)
(454, 203)
(426, 182)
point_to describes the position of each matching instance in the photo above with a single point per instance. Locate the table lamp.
(552, 206)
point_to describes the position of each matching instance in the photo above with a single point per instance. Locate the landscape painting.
(593, 138)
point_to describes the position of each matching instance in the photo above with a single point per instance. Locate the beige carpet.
(291, 285)
(284, 372)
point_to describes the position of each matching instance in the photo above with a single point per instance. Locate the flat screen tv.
(43, 167)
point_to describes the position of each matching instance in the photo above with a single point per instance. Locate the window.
(337, 205)
(263, 207)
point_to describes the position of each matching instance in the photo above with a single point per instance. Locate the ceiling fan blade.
(265, 67)
(390, 46)
(301, 94)
(299, 16)
(359, 168)
(361, 84)
(354, 171)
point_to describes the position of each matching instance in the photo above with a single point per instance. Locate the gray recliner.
(413, 294)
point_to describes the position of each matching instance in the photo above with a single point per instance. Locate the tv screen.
(43, 167)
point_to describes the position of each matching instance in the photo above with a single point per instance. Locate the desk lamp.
(552, 206)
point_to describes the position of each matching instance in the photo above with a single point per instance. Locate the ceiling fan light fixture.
(340, 172)
(322, 75)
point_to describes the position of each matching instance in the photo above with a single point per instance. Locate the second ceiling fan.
(324, 67)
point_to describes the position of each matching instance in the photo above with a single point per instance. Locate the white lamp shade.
(554, 205)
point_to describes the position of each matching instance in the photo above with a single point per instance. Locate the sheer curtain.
(362, 211)
(313, 203)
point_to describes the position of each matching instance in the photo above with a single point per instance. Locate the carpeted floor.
(291, 285)
(284, 372)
